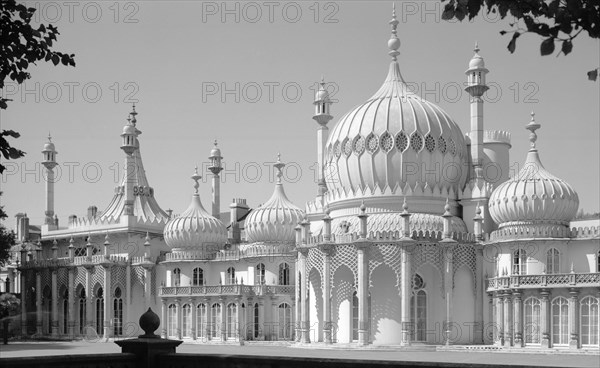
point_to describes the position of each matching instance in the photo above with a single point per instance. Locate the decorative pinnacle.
(133, 114)
(532, 127)
(478, 210)
(147, 242)
(71, 242)
(279, 166)
(54, 244)
(476, 49)
(215, 143)
(447, 208)
(405, 205)
(394, 42)
(106, 242)
(195, 178)
(49, 137)
(363, 208)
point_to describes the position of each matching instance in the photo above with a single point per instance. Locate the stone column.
(491, 319)
(518, 318)
(224, 319)
(574, 319)
(71, 302)
(328, 328)
(128, 297)
(209, 326)
(194, 322)
(55, 297)
(304, 307)
(107, 303)
(164, 319)
(89, 298)
(25, 290)
(406, 253)
(179, 321)
(545, 318)
(38, 302)
(448, 284)
(261, 318)
(362, 251)
(508, 333)
(500, 318)
(479, 296)
(238, 308)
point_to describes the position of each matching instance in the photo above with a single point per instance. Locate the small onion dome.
(477, 61)
(195, 228)
(534, 196)
(215, 151)
(322, 93)
(276, 219)
(49, 146)
(129, 129)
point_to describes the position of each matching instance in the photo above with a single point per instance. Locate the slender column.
(224, 319)
(209, 326)
(54, 301)
(574, 319)
(238, 308)
(405, 290)
(89, 298)
(71, 302)
(448, 287)
(107, 303)
(362, 251)
(128, 294)
(479, 296)
(298, 301)
(164, 319)
(261, 318)
(327, 294)
(38, 302)
(25, 290)
(491, 319)
(508, 333)
(304, 316)
(518, 319)
(500, 318)
(194, 321)
(545, 318)
(179, 318)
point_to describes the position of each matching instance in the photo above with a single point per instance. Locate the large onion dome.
(195, 228)
(396, 143)
(276, 219)
(534, 197)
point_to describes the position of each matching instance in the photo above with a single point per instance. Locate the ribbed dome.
(195, 228)
(395, 138)
(534, 196)
(276, 219)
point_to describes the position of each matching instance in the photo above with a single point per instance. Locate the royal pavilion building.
(407, 242)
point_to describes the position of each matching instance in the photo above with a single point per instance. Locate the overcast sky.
(246, 76)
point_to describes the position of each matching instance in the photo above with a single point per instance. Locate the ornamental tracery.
(416, 141)
(387, 142)
(401, 142)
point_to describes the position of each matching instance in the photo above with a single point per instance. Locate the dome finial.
(476, 49)
(49, 137)
(279, 166)
(195, 178)
(394, 42)
(532, 127)
(215, 143)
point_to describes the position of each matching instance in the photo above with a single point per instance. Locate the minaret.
(129, 145)
(476, 88)
(322, 117)
(215, 168)
(49, 163)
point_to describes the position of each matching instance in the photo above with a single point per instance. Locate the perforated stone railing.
(390, 236)
(218, 290)
(560, 280)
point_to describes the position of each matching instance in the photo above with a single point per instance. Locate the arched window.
(176, 277)
(418, 312)
(285, 321)
(118, 312)
(172, 320)
(284, 274)
(231, 276)
(201, 320)
(82, 310)
(187, 320)
(552, 261)
(232, 321)
(354, 316)
(560, 321)
(215, 315)
(533, 323)
(259, 274)
(198, 277)
(65, 313)
(519, 262)
(589, 327)
(100, 311)
(256, 321)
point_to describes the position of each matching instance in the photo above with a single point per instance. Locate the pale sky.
(178, 59)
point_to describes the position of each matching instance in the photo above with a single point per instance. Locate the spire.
(476, 49)
(394, 42)
(532, 127)
(195, 178)
(279, 166)
(133, 114)
(49, 137)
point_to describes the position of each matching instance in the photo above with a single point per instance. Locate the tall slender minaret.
(215, 168)
(49, 163)
(476, 87)
(322, 117)
(129, 145)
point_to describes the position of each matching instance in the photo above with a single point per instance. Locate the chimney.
(24, 229)
(91, 212)
(237, 210)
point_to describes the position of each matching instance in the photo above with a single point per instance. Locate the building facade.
(416, 236)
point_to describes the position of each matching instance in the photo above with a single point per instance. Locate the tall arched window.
(418, 308)
(231, 320)
(198, 277)
(284, 274)
(118, 312)
(201, 320)
(533, 323)
(65, 311)
(256, 323)
(100, 311)
(552, 261)
(519, 262)
(354, 316)
(589, 327)
(176, 277)
(82, 310)
(560, 321)
(231, 276)
(215, 315)
(172, 320)
(259, 274)
(186, 311)
(285, 321)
